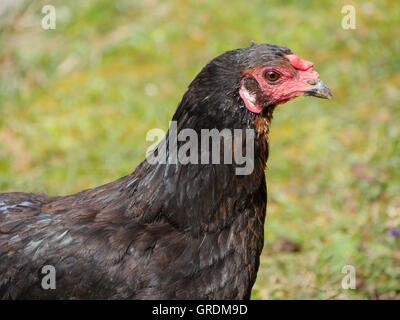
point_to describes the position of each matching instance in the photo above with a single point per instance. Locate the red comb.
(299, 63)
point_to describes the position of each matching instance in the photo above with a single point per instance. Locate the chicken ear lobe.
(249, 91)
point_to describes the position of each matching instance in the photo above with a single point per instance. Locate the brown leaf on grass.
(286, 245)
(14, 148)
(360, 171)
(360, 283)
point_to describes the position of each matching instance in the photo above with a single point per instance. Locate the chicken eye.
(272, 76)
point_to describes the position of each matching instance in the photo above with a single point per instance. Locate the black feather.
(168, 231)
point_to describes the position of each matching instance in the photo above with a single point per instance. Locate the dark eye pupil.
(272, 76)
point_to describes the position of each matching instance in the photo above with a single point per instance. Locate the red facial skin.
(296, 76)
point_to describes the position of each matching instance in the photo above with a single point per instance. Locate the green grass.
(76, 103)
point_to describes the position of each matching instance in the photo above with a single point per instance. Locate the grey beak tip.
(320, 90)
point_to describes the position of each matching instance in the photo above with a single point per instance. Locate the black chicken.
(168, 230)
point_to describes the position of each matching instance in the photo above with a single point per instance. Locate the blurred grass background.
(76, 103)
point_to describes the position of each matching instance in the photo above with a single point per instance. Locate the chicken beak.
(320, 90)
